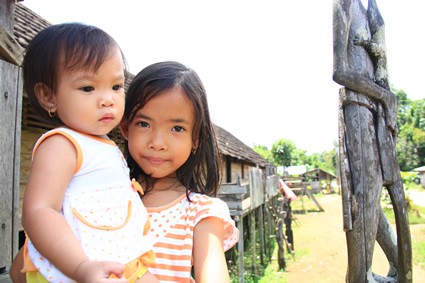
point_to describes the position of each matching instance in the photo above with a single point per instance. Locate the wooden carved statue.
(367, 127)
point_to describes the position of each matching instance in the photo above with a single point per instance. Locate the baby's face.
(92, 101)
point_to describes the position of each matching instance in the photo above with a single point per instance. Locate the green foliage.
(409, 180)
(410, 142)
(410, 146)
(283, 152)
(264, 152)
(416, 213)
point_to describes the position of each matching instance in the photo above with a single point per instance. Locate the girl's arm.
(208, 254)
(53, 166)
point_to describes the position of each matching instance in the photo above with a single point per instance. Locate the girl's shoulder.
(203, 206)
(199, 199)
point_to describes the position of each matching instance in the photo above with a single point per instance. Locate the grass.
(305, 205)
(416, 215)
(418, 248)
(271, 274)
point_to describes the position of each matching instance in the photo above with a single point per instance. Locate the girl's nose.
(157, 141)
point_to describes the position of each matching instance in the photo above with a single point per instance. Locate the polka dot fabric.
(172, 234)
(100, 205)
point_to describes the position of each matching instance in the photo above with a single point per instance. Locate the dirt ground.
(319, 241)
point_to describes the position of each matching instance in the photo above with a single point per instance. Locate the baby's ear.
(124, 128)
(45, 97)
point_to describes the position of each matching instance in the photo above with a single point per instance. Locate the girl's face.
(92, 102)
(160, 134)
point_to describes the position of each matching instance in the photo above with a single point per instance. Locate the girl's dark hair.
(68, 46)
(201, 172)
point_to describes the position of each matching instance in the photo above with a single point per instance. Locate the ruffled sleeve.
(214, 207)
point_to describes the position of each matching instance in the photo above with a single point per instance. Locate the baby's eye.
(143, 124)
(87, 88)
(177, 129)
(117, 87)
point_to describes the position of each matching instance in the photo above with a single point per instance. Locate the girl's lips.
(155, 161)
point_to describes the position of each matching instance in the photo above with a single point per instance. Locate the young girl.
(171, 149)
(83, 217)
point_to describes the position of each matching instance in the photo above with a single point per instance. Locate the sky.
(266, 65)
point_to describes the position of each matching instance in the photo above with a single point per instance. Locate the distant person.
(171, 149)
(82, 215)
(286, 190)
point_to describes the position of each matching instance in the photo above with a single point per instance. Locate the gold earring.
(51, 114)
(193, 151)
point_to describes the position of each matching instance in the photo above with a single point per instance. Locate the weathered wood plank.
(272, 185)
(10, 125)
(10, 50)
(256, 187)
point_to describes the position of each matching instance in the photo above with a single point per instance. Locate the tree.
(264, 152)
(282, 152)
(410, 147)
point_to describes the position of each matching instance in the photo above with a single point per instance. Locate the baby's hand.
(90, 271)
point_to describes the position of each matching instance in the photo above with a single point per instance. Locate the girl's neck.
(164, 184)
(163, 192)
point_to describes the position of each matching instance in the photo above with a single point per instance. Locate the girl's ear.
(45, 97)
(195, 146)
(124, 128)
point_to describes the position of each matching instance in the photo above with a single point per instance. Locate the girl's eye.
(143, 124)
(177, 129)
(116, 87)
(87, 88)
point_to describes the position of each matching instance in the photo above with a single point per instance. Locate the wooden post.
(270, 230)
(261, 226)
(241, 271)
(253, 241)
(288, 223)
(280, 240)
(10, 136)
(280, 248)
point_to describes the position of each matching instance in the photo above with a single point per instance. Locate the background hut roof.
(28, 24)
(230, 145)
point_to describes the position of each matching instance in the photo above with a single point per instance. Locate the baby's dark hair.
(67, 46)
(201, 172)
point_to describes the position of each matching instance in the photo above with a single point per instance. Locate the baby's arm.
(108, 267)
(208, 252)
(53, 166)
(16, 267)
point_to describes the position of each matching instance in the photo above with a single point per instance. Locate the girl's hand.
(90, 271)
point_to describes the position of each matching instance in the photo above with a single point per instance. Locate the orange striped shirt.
(172, 234)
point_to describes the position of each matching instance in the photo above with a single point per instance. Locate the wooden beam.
(10, 49)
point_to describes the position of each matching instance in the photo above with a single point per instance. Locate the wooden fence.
(249, 203)
(10, 125)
